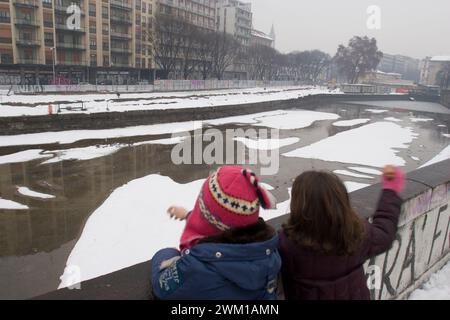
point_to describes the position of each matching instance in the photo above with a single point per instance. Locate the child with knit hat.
(226, 251)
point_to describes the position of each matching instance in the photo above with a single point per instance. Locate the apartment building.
(430, 67)
(408, 67)
(73, 41)
(235, 17)
(200, 13)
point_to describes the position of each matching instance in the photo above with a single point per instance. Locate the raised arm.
(383, 229)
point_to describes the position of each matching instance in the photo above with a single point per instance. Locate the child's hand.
(178, 213)
(393, 179)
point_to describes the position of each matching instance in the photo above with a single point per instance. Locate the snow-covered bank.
(443, 155)
(94, 103)
(371, 145)
(436, 288)
(292, 119)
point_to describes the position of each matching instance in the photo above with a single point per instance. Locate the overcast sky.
(417, 28)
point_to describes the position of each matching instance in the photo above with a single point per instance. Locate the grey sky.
(417, 28)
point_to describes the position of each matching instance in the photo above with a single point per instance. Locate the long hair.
(321, 215)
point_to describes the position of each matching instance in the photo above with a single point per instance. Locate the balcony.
(121, 20)
(120, 64)
(121, 4)
(64, 27)
(120, 35)
(27, 22)
(121, 50)
(70, 46)
(62, 7)
(26, 3)
(28, 42)
(28, 61)
(71, 63)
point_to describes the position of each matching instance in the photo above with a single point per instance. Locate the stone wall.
(422, 245)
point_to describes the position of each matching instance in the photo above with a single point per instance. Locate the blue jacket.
(218, 271)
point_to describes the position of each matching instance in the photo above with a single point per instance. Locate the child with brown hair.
(325, 243)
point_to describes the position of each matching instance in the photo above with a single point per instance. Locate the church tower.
(272, 35)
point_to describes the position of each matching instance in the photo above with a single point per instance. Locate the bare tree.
(189, 41)
(205, 52)
(167, 42)
(225, 50)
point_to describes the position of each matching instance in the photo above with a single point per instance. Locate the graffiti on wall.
(423, 240)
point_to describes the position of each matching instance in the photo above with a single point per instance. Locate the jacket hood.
(249, 266)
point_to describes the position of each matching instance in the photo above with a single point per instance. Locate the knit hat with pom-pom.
(230, 198)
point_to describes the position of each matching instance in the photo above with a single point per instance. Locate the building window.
(92, 9)
(105, 14)
(47, 3)
(4, 16)
(48, 39)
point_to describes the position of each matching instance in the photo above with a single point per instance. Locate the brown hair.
(321, 215)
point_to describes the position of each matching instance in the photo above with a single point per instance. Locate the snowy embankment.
(34, 105)
(436, 288)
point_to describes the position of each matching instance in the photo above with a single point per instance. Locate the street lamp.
(53, 49)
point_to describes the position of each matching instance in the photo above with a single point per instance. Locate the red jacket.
(310, 274)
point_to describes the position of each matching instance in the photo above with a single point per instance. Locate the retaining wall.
(109, 120)
(422, 245)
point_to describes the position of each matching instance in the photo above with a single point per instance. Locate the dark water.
(35, 243)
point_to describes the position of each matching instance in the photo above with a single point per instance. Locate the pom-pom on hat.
(230, 198)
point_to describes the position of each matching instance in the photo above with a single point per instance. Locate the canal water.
(36, 242)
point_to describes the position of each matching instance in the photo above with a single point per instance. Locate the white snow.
(23, 156)
(376, 110)
(366, 170)
(442, 126)
(443, 155)
(267, 186)
(437, 287)
(281, 209)
(293, 119)
(86, 153)
(393, 119)
(72, 136)
(350, 123)
(353, 186)
(116, 237)
(351, 174)
(446, 135)
(371, 145)
(168, 141)
(415, 158)
(421, 119)
(155, 101)
(12, 205)
(30, 193)
(267, 144)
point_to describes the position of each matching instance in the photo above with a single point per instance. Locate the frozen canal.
(95, 200)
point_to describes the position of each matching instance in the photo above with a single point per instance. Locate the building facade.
(408, 67)
(73, 41)
(430, 67)
(200, 13)
(235, 17)
(260, 38)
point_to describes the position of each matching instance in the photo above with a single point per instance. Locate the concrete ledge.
(422, 244)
